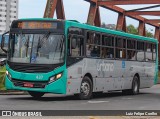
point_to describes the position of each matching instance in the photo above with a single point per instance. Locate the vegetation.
(2, 77)
(130, 29)
(133, 30)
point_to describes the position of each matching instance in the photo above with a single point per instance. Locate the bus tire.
(36, 95)
(135, 85)
(86, 89)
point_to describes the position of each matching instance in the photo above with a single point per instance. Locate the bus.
(67, 57)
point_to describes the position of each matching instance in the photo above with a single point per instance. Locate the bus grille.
(38, 84)
(33, 68)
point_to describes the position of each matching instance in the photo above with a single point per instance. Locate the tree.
(149, 34)
(132, 30)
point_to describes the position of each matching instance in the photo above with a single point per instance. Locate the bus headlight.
(54, 78)
(9, 75)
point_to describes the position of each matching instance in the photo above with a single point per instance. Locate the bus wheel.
(86, 89)
(36, 95)
(135, 85)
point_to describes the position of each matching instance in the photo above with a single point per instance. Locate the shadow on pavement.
(74, 98)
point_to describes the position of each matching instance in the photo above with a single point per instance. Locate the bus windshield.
(36, 48)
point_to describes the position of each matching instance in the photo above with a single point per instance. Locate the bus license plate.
(28, 85)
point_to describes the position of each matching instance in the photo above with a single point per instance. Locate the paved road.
(148, 99)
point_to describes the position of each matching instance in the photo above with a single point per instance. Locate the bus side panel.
(74, 77)
(149, 74)
(109, 75)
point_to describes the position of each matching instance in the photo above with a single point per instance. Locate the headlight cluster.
(54, 78)
(9, 75)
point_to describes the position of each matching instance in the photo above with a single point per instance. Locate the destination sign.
(35, 25)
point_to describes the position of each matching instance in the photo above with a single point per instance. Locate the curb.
(13, 93)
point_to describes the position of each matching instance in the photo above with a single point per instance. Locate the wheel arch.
(90, 76)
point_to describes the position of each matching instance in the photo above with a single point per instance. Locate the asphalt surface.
(148, 99)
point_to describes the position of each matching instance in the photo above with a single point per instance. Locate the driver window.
(75, 46)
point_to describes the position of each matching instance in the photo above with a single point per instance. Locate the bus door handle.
(131, 69)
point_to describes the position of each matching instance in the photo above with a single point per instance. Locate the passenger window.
(140, 46)
(120, 48)
(107, 52)
(148, 50)
(154, 56)
(76, 46)
(131, 44)
(119, 42)
(108, 41)
(107, 49)
(131, 49)
(93, 38)
(120, 53)
(131, 54)
(154, 52)
(140, 51)
(148, 47)
(93, 44)
(154, 47)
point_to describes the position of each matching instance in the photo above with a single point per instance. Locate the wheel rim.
(85, 88)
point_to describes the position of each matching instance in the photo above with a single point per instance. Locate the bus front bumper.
(57, 87)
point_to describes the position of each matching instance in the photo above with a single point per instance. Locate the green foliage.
(2, 77)
(132, 30)
(149, 34)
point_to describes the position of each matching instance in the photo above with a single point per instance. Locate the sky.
(75, 10)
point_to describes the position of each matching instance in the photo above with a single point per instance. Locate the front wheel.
(36, 95)
(86, 89)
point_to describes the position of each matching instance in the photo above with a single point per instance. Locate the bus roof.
(74, 23)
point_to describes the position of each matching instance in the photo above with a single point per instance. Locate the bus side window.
(107, 50)
(148, 51)
(120, 48)
(76, 46)
(154, 51)
(93, 44)
(140, 51)
(131, 49)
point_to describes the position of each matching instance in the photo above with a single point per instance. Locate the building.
(8, 13)
(108, 26)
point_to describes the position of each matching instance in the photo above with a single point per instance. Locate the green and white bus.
(67, 57)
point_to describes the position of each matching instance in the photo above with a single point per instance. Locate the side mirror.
(3, 42)
(2, 62)
(74, 42)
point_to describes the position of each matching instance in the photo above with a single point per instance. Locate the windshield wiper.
(43, 40)
(61, 46)
(38, 47)
(27, 45)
